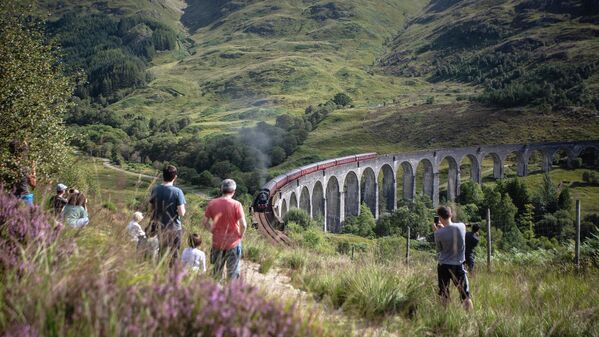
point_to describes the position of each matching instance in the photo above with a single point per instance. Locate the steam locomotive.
(262, 202)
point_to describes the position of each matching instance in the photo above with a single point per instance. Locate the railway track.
(264, 222)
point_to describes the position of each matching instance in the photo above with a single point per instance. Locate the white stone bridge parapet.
(336, 192)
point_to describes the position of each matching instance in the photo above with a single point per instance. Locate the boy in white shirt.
(192, 256)
(134, 228)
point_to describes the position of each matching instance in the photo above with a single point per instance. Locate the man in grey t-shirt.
(450, 242)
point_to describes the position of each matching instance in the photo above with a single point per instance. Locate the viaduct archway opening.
(449, 175)
(424, 178)
(491, 167)
(292, 201)
(318, 202)
(333, 219)
(470, 169)
(406, 182)
(589, 157)
(386, 184)
(368, 188)
(283, 208)
(351, 187)
(305, 200)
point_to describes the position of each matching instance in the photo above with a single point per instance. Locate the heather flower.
(23, 229)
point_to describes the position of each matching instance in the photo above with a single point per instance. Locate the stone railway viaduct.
(336, 193)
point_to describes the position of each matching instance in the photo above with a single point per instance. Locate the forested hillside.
(524, 52)
(169, 80)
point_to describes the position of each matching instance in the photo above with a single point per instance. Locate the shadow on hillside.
(203, 13)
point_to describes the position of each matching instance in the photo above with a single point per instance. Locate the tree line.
(244, 155)
(112, 52)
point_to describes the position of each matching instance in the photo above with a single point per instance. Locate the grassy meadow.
(92, 282)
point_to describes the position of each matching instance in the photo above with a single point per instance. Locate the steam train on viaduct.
(262, 207)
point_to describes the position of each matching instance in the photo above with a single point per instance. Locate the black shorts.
(455, 273)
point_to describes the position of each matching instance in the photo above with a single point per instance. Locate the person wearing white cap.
(58, 201)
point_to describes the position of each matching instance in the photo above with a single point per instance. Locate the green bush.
(298, 216)
(294, 261)
(342, 99)
(361, 225)
(370, 292)
(266, 264)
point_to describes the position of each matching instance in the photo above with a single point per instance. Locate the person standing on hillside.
(450, 242)
(168, 207)
(58, 201)
(225, 219)
(26, 180)
(472, 240)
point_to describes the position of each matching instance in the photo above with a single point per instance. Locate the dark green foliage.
(564, 201)
(546, 201)
(298, 216)
(517, 191)
(112, 52)
(342, 99)
(558, 225)
(415, 215)
(361, 225)
(470, 193)
(34, 94)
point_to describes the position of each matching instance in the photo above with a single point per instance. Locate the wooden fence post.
(577, 247)
(408, 247)
(488, 239)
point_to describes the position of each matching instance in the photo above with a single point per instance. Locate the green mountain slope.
(254, 58)
(521, 52)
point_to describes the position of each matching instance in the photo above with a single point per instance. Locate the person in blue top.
(26, 180)
(167, 203)
(450, 243)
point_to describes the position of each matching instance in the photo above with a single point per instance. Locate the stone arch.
(537, 161)
(292, 201)
(317, 201)
(425, 178)
(471, 168)
(407, 177)
(387, 190)
(495, 162)
(516, 163)
(453, 177)
(589, 156)
(283, 208)
(333, 206)
(562, 157)
(305, 200)
(351, 187)
(368, 189)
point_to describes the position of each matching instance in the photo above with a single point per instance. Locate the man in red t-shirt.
(225, 219)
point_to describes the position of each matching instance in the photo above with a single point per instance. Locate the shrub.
(370, 292)
(361, 225)
(298, 216)
(22, 228)
(266, 264)
(87, 302)
(342, 99)
(294, 261)
(590, 177)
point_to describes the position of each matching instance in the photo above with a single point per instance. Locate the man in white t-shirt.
(450, 242)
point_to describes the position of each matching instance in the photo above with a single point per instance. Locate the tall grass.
(102, 287)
